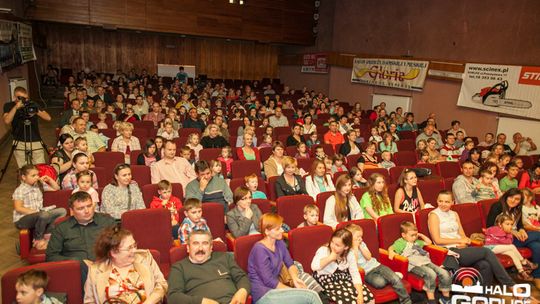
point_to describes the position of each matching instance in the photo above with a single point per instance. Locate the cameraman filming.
(19, 112)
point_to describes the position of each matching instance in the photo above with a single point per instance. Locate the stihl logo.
(530, 75)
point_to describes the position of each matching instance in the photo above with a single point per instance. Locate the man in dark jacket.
(193, 121)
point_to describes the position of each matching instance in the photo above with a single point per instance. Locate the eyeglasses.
(131, 247)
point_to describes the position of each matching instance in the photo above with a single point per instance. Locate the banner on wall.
(8, 43)
(394, 73)
(26, 46)
(505, 89)
(315, 63)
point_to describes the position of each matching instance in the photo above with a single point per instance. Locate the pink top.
(496, 236)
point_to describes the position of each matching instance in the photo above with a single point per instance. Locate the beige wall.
(17, 72)
(291, 76)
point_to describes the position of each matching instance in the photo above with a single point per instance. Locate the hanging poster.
(505, 89)
(26, 46)
(393, 73)
(315, 63)
(8, 43)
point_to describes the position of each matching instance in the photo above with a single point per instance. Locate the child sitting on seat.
(499, 239)
(85, 181)
(102, 124)
(301, 151)
(31, 286)
(311, 216)
(419, 262)
(338, 163)
(252, 183)
(485, 189)
(193, 220)
(81, 146)
(167, 201)
(216, 168)
(377, 274)
(226, 157)
(387, 162)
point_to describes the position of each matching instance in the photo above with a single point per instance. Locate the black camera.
(29, 107)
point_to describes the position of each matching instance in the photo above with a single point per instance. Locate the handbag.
(284, 276)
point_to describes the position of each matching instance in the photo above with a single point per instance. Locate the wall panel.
(77, 47)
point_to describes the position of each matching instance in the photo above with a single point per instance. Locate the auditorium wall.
(77, 47)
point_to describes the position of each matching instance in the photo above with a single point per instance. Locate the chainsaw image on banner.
(495, 97)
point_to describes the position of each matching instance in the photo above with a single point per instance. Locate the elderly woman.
(270, 257)
(510, 204)
(122, 194)
(212, 137)
(290, 183)
(273, 165)
(240, 138)
(126, 142)
(122, 273)
(80, 163)
(446, 230)
(244, 218)
(61, 159)
(296, 136)
(248, 151)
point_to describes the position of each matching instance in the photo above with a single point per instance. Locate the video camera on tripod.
(29, 108)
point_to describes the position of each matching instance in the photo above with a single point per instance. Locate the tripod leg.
(15, 143)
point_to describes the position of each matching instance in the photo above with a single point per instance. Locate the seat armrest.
(398, 264)
(230, 240)
(25, 243)
(476, 243)
(436, 253)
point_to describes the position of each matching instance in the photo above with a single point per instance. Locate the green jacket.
(218, 279)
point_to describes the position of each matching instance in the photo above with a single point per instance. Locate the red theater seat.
(242, 249)
(108, 160)
(405, 157)
(141, 174)
(241, 168)
(151, 190)
(321, 202)
(449, 169)
(304, 242)
(291, 208)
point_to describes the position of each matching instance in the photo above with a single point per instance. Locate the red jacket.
(240, 154)
(173, 205)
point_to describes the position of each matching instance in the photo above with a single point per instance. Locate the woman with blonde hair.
(342, 206)
(122, 273)
(375, 201)
(270, 258)
(290, 183)
(126, 142)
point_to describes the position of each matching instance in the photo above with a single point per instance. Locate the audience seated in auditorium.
(95, 144)
(122, 194)
(273, 165)
(408, 197)
(375, 202)
(465, 184)
(318, 180)
(342, 206)
(126, 142)
(244, 218)
(289, 182)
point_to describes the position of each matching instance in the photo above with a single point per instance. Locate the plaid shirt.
(187, 226)
(31, 197)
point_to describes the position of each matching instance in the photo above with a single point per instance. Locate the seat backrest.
(155, 236)
(430, 190)
(214, 214)
(265, 153)
(321, 202)
(241, 168)
(291, 208)
(104, 175)
(64, 277)
(328, 149)
(367, 173)
(263, 204)
(422, 221)
(470, 217)
(304, 242)
(407, 135)
(242, 249)
(449, 169)
(405, 157)
(448, 183)
(305, 163)
(352, 160)
(358, 192)
(59, 198)
(209, 154)
(484, 206)
(151, 190)
(389, 227)
(395, 172)
(406, 145)
(108, 159)
(179, 253)
(141, 174)
(271, 188)
(370, 234)
(134, 154)
(184, 132)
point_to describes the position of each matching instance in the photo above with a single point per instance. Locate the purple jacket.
(264, 267)
(496, 236)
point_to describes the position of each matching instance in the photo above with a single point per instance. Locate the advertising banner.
(26, 47)
(393, 73)
(505, 89)
(315, 63)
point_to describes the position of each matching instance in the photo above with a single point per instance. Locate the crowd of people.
(243, 122)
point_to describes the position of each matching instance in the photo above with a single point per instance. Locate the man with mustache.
(207, 277)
